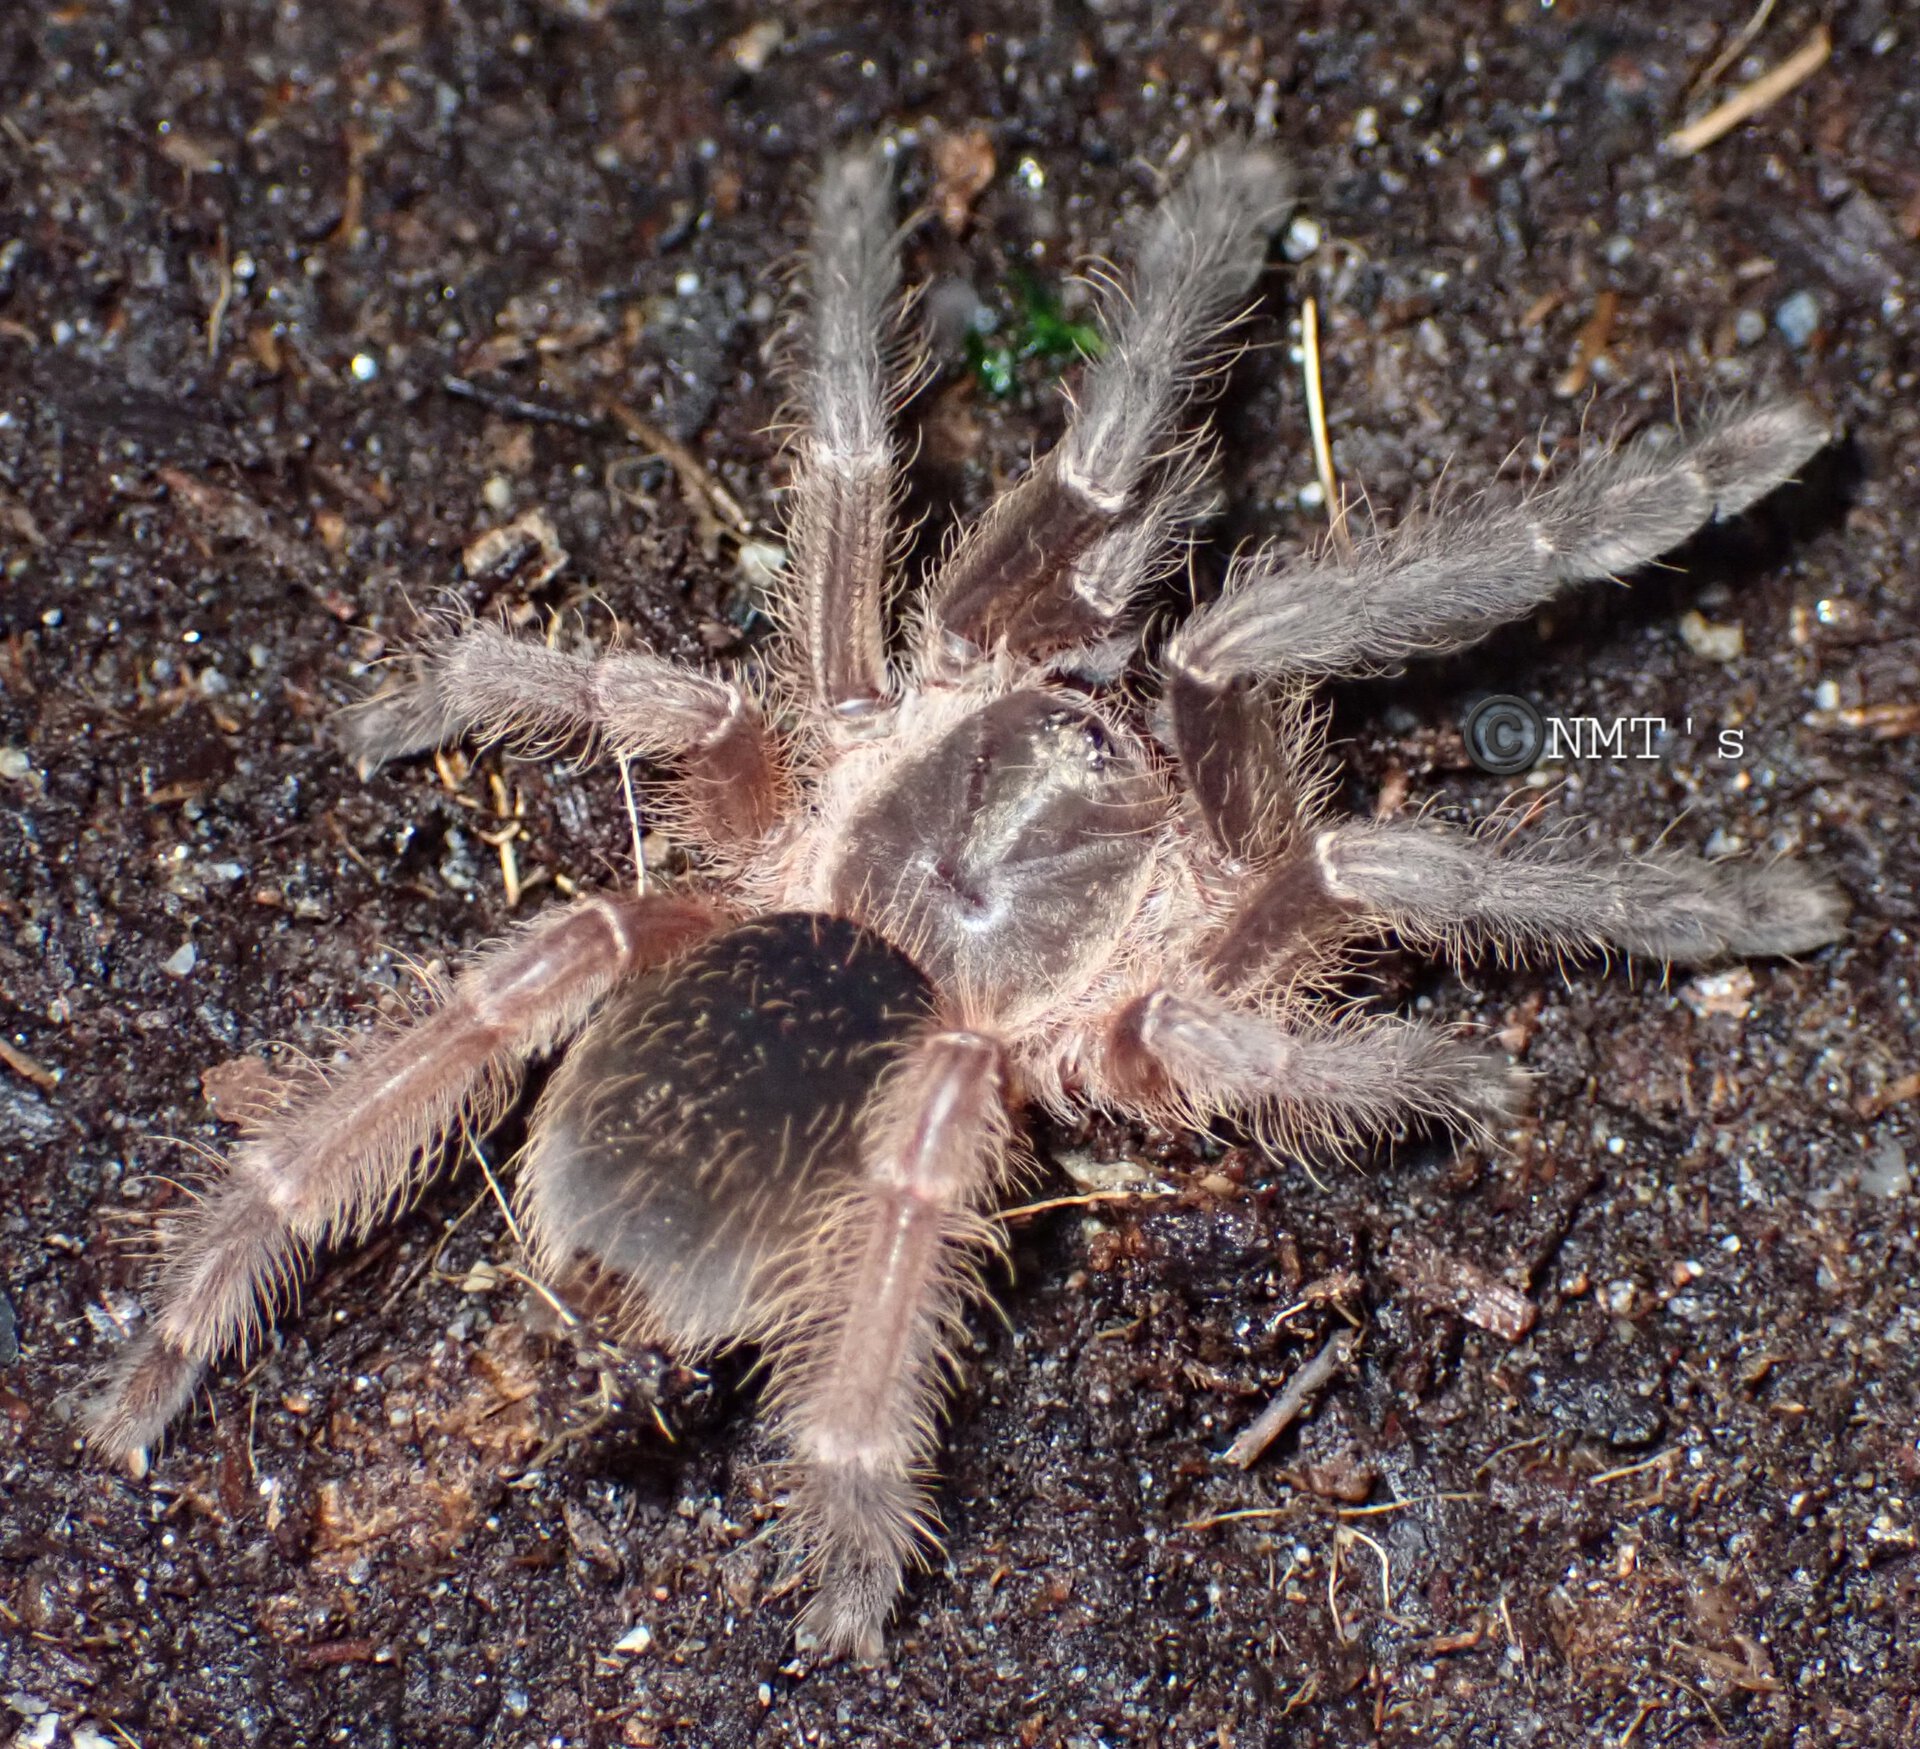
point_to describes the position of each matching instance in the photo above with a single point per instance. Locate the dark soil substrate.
(296, 303)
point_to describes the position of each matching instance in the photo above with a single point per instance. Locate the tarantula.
(953, 872)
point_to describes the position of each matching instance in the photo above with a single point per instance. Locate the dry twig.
(1751, 99)
(1279, 1414)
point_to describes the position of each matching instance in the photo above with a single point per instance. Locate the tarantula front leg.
(1190, 1057)
(1058, 561)
(479, 680)
(841, 523)
(1447, 580)
(354, 1142)
(870, 1326)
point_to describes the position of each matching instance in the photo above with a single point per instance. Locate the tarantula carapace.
(951, 872)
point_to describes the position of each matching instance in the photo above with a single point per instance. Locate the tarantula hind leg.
(354, 1142)
(1191, 1057)
(872, 1319)
(1452, 890)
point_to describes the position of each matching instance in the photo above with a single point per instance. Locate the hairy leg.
(1437, 887)
(843, 486)
(1253, 754)
(1446, 888)
(1448, 579)
(480, 680)
(1058, 560)
(870, 1327)
(1290, 924)
(1443, 583)
(355, 1142)
(1189, 1057)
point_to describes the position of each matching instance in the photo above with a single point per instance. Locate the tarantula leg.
(1460, 892)
(874, 1319)
(481, 681)
(1060, 558)
(1253, 757)
(843, 487)
(1448, 579)
(1290, 924)
(355, 1142)
(1192, 1057)
(1000, 585)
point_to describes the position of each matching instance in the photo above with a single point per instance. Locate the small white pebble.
(761, 564)
(364, 367)
(634, 1639)
(497, 493)
(1887, 1173)
(482, 1278)
(1798, 319)
(1826, 696)
(754, 46)
(1366, 128)
(181, 962)
(687, 284)
(1713, 642)
(1729, 993)
(14, 764)
(1302, 237)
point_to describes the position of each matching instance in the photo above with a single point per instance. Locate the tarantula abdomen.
(692, 1137)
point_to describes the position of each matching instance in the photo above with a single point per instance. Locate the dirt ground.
(298, 303)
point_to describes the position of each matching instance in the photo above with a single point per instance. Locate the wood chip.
(963, 166)
(1443, 1282)
(28, 1068)
(530, 535)
(242, 1090)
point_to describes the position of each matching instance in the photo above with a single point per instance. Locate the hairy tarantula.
(958, 871)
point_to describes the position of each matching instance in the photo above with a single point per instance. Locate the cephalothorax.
(953, 869)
